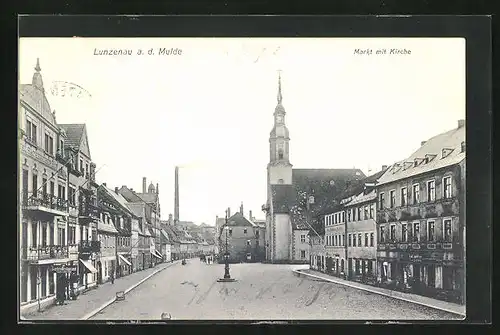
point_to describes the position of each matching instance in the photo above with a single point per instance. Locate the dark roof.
(359, 186)
(171, 233)
(238, 220)
(74, 133)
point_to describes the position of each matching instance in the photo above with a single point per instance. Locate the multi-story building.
(82, 200)
(122, 219)
(107, 233)
(335, 242)
(243, 239)
(421, 221)
(44, 250)
(317, 244)
(360, 215)
(141, 237)
(150, 197)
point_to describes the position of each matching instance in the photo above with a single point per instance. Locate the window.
(416, 232)
(49, 144)
(349, 215)
(302, 238)
(447, 187)
(372, 210)
(44, 187)
(354, 214)
(353, 240)
(87, 170)
(248, 242)
(431, 190)
(430, 231)
(72, 235)
(393, 198)
(230, 232)
(448, 237)
(350, 240)
(61, 147)
(360, 211)
(382, 234)
(342, 237)
(244, 231)
(52, 188)
(393, 232)
(44, 234)
(31, 131)
(404, 230)
(359, 240)
(366, 212)
(257, 233)
(281, 181)
(72, 195)
(302, 254)
(381, 201)
(343, 216)
(280, 153)
(416, 194)
(335, 241)
(404, 196)
(35, 184)
(81, 165)
(366, 239)
(372, 237)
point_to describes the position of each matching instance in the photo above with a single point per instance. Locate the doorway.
(99, 272)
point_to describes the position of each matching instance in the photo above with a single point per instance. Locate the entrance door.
(349, 266)
(99, 272)
(432, 276)
(337, 266)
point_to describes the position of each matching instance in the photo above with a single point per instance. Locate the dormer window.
(429, 158)
(446, 152)
(407, 165)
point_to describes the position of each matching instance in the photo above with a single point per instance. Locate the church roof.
(238, 220)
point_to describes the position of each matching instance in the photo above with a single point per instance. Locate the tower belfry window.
(280, 154)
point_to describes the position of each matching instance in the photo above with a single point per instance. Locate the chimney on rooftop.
(461, 123)
(241, 208)
(170, 219)
(143, 184)
(422, 143)
(116, 190)
(384, 167)
(104, 184)
(250, 215)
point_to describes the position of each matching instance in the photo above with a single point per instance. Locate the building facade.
(46, 257)
(107, 234)
(335, 243)
(421, 221)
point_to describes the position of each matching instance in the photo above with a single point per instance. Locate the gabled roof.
(362, 198)
(119, 199)
(74, 134)
(432, 148)
(239, 220)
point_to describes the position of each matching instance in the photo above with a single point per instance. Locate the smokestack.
(241, 208)
(461, 123)
(143, 184)
(250, 214)
(170, 219)
(176, 195)
(157, 189)
(228, 212)
(384, 167)
(422, 143)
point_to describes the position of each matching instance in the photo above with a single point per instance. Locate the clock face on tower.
(279, 119)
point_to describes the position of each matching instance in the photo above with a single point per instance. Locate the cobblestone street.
(263, 292)
(89, 301)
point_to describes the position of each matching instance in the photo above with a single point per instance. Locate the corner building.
(421, 219)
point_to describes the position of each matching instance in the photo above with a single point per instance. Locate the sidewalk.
(93, 299)
(413, 298)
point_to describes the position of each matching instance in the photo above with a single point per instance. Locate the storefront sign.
(64, 268)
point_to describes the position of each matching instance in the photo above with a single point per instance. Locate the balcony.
(47, 203)
(88, 247)
(88, 211)
(47, 253)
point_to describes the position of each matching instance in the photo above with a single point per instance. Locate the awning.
(125, 260)
(89, 266)
(156, 254)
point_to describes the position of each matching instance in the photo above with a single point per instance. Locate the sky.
(210, 108)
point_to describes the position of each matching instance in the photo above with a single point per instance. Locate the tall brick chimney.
(157, 189)
(176, 195)
(228, 212)
(143, 184)
(241, 208)
(250, 215)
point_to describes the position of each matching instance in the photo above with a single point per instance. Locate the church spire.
(280, 97)
(37, 67)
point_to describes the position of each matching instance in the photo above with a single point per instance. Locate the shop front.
(124, 265)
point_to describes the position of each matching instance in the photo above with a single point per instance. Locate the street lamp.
(227, 276)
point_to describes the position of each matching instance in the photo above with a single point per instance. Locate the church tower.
(279, 169)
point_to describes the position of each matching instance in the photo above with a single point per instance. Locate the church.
(296, 198)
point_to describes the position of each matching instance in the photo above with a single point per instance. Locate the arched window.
(280, 153)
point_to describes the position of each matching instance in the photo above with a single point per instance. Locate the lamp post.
(227, 276)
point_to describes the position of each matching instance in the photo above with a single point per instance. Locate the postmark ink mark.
(68, 90)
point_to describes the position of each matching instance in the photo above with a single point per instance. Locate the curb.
(300, 273)
(109, 302)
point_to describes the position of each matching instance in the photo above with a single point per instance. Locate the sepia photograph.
(300, 178)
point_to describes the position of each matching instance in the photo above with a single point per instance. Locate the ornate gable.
(84, 144)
